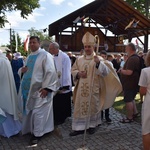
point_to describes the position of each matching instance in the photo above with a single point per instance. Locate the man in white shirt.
(62, 100)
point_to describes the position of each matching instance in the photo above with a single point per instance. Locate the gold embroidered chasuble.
(86, 88)
(90, 94)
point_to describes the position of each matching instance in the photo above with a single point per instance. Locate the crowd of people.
(40, 88)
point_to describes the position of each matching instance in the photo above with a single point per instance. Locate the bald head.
(54, 48)
(130, 49)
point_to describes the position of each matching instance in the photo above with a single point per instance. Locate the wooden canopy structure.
(108, 15)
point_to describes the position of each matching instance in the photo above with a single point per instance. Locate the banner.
(16, 39)
(26, 44)
(136, 41)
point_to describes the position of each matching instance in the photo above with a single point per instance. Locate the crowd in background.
(44, 83)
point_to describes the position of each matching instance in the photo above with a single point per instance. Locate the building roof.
(114, 15)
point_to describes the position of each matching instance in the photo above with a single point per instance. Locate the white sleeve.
(103, 70)
(143, 79)
(66, 72)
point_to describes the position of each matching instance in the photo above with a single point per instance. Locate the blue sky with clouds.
(49, 12)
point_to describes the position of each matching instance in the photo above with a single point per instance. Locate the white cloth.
(122, 64)
(145, 82)
(42, 117)
(10, 126)
(2, 116)
(63, 67)
(8, 100)
(8, 93)
(38, 109)
(44, 76)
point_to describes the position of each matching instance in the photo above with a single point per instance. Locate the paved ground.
(115, 136)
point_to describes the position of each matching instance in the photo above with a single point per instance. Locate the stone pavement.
(114, 136)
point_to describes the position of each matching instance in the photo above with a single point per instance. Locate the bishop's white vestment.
(94, 93)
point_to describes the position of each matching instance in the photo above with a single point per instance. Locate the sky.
(49, 12)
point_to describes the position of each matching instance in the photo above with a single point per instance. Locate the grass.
(119, 105)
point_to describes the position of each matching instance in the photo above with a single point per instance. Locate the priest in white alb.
(62, 100)
(38, 85)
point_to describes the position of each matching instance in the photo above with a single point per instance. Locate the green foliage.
(141, 5)
(40, 34)
(43, 36)
(25, 7)
(20, 47)
(22, 51)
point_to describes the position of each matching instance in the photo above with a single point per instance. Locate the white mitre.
(88, 39)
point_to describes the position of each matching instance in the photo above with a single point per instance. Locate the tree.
(16, 41)
(25, 6)
(141, 5)
(40, 33)
(43, 35)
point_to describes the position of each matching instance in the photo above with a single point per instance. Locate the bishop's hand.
(82, 74)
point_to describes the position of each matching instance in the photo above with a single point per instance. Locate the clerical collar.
(36, 52)
(56, 55)
(89, 56)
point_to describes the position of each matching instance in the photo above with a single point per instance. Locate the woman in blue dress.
(16, 63)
